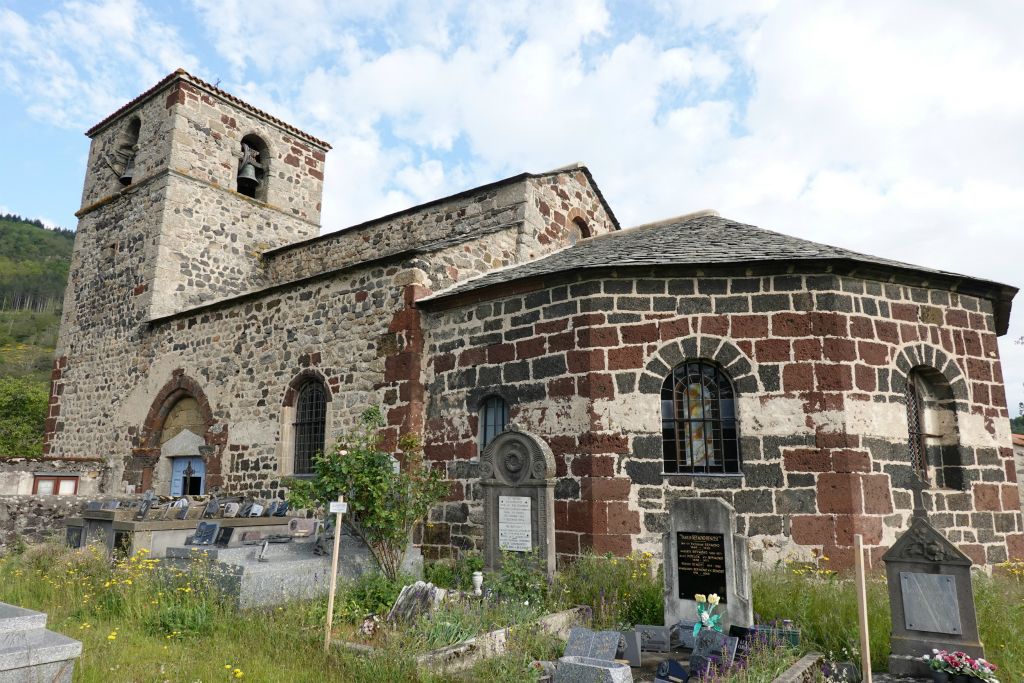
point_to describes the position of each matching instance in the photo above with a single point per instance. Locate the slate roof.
(181, 74)
(702, 239)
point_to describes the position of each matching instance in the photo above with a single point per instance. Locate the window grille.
(698, 421)
(309, 425)
(915, 425)
(493, 418)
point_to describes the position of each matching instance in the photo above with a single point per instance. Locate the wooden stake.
(337, 508)
(862, 608)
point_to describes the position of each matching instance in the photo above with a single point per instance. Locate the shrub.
(521, 578)
(383, 505)
(454, 573)
(23, 405)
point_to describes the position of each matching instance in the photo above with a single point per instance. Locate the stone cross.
(917, 488)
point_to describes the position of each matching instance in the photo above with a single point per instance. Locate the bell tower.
(186, 186)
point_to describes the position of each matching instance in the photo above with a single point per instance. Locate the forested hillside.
(33, 272)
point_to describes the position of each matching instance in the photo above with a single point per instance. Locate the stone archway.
(179, 409)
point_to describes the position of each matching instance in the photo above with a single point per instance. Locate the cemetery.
(249, 596)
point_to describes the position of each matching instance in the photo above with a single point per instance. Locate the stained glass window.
(698, 421)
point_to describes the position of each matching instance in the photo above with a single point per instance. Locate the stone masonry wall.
(819, 363)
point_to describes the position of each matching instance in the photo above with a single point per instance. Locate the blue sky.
(890, 128)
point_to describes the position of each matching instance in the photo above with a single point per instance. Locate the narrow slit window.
(493, 418)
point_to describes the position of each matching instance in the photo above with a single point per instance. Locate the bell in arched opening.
(249, 171)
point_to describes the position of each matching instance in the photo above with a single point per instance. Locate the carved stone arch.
(144, 468)
(576, 220)
(266, 158)
(928, 356)
(307, 375)
(736, 364)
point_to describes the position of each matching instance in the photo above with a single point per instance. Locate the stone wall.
(819, 363)
(35, 519)
(17, 475)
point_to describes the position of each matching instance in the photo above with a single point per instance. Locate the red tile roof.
(183, 75)
(1018, 439)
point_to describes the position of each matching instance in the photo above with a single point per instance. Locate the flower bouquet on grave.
(706, 617)
(959, 666)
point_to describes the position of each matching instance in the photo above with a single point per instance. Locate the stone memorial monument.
(517, 471)
(931, 596)
(703, 554)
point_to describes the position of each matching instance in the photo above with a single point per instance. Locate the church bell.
(129, 171)
(247, 180)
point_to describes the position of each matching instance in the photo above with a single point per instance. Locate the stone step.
(38, 648)
(18, 619)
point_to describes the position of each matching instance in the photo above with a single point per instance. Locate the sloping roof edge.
(182, 75)
(520, 177)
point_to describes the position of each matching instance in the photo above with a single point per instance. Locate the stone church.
(212, 337)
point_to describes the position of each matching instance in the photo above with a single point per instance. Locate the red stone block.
(833, 377)
(593, 466)
(596, 442)
(596, 385)
(986, 497)
(1011, 471)
(848, 525)
(1011, 497)
(909, 333)
(605, 489)
(807, 460)
(616, 544)
(828, 439)
(877, 494)
(798, 377)
(997, 396)
(872, 353)
(562, 445)
(771, 350)
(807, 349)
(975, 551)
(979, 392)
(638, 334)
(791, 325)
(567, 543)
(561, 342)
(472, 357)
(622, 520)
(755, 326)
(598, 336)
(861, 327)
(586, 515)
(551, 326)
(585, 361)
(561, 387)
(561, 514)
(851, 461)
(444, 362)
(717, 325)
(907, 312)
(839, 350)
(840, 558)
(674, 329)
(813, 529)
(839, 493)
(530, 348)
(626, 358)
(588, 320)
(972, 343)
(957, 318)
(887, 332)
(500, 353)
(864, 378)
(827, 324)
(1015, 546)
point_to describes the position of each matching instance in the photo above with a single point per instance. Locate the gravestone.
(712, 648)
(655, 638)
(703, 554)
(589, 670)
(415, 599)
(583, 642)
(629, 648)
(931, 598)
(206, 533)
(29, 652)
(517, 471)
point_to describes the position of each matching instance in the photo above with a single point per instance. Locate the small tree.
(23, 406)
(383, 505)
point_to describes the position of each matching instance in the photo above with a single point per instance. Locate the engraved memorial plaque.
(930, 603)
(514, 524)
(701, 564)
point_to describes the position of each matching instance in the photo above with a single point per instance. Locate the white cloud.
(82, 61)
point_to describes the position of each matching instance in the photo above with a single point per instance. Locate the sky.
(892, 128)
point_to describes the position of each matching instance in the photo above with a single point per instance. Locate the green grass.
(824, 607)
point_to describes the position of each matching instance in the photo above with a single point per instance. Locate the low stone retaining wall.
(803, 671)
(34, 519)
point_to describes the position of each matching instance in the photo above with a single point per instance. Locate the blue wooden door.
(188, 476)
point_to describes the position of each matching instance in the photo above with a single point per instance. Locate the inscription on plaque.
(701, 564)
(515, 530)
(930, 603)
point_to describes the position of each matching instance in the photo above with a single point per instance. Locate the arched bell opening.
(253, 165)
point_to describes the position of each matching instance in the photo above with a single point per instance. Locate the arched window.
(698, 421)
(579, 230)
(124, 155)
(932, 434)
(309, 425)
(252, 168)
(493, 418)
